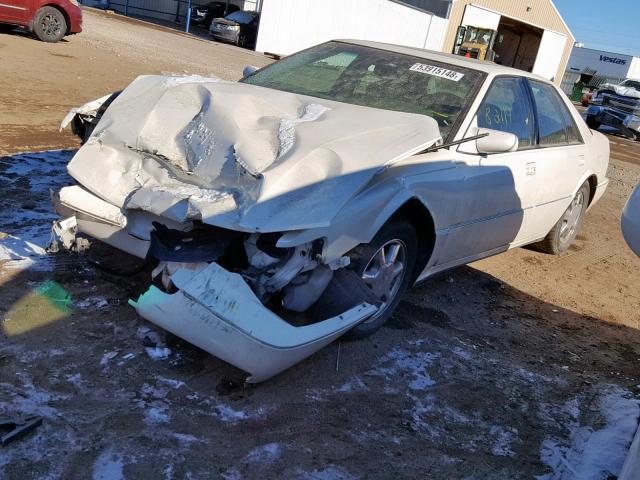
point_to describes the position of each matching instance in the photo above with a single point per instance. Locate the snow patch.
(401, 362)
(158, 353)
(331, 472)
(92, 303)
(26, 227)
(108, 466)
(266, 454)
(156, 414)
(594, 453)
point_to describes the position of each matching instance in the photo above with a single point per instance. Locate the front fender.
(357, 222)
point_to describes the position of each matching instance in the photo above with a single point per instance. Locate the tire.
(398, 232)
(242, 40)
(49, 25)
(559, 239)
(592, 123)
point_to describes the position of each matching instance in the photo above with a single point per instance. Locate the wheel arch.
(423, 223)
(593, 186)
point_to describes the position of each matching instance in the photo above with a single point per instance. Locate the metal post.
(177, 11)
(126, 8)
(186, 29)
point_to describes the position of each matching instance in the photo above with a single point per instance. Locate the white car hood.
(240, 156)
(621, 90)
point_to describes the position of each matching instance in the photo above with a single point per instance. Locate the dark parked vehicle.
(49, 20)
(203, 15)
(240, 28)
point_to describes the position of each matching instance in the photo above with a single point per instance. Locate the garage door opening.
(517, 44)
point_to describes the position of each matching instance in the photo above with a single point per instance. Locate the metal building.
(527, 34)
(591, 68)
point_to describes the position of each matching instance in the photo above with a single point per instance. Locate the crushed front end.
(226, 188)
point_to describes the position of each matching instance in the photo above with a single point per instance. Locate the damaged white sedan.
(299, 204)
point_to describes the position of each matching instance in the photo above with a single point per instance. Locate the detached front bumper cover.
(217, 311)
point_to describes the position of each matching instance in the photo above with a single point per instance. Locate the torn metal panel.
(216, 310)
(240, 156)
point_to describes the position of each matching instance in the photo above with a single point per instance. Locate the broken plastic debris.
(13, 429)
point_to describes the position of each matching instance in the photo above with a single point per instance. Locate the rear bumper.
(231, 37)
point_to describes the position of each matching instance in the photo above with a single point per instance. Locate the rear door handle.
(530, 168)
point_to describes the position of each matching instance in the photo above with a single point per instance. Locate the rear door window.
(507, 108)
(556, 127)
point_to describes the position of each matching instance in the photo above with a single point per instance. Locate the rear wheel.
(562, 235)
(592, 123)
(386, 267)
(49, 25)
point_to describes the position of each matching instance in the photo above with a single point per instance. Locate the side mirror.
(249, 70)
(496, 142)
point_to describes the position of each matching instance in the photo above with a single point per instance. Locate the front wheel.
(562, 235)
(386, 267)
(49, 25)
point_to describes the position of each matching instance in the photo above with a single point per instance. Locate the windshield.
(240, 17)
(631, 84)
(375, 78)
(478, 35)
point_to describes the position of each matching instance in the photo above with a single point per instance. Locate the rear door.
(14, 11)
(560, 162)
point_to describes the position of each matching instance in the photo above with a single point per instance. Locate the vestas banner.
(606, 64)
(616, 60)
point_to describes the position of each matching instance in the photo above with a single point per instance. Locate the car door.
(560, 163)
(507, 180)
(14, 11)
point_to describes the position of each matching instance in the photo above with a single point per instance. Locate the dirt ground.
(517, 366)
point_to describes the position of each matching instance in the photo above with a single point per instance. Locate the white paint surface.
(549, 54)
(310, 22)
(479, 17)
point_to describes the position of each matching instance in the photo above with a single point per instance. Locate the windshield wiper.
(434, 148)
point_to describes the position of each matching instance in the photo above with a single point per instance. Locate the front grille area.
(628, 106)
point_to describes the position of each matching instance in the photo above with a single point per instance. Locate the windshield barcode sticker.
(437, 71)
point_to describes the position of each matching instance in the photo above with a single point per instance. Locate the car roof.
(450, 58)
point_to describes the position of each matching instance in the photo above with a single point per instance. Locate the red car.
(49, 20)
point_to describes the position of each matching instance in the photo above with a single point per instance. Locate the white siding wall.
(287, 26)
(480, 17)
(437, 32)
(634, 69)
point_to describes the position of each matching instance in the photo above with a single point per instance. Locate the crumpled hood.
(240, 156)
(621, 90)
